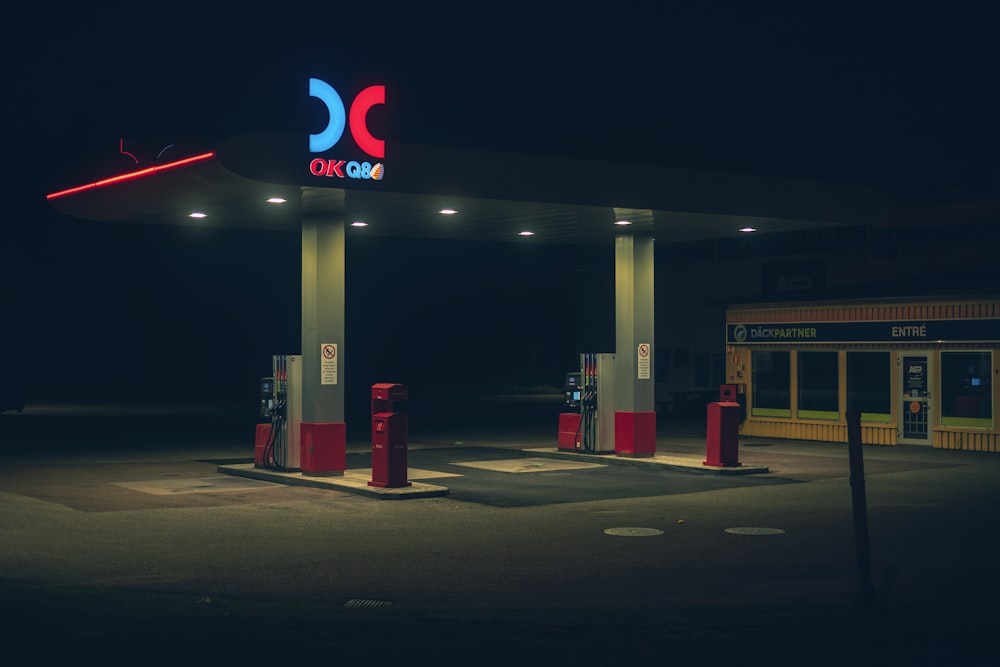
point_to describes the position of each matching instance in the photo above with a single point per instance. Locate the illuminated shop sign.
(354, 120)
(929, 331)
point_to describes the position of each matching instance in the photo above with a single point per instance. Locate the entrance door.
(915, 381)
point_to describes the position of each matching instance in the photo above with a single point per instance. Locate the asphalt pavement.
(124, 540)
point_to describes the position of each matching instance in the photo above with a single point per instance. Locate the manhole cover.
(633, 532)
(367, 603)
(755, 531)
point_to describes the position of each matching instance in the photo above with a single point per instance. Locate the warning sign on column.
(328, 363)
(643, 361)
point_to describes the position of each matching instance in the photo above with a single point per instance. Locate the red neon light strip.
(131, 175)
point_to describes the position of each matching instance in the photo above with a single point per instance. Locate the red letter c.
(362, 104)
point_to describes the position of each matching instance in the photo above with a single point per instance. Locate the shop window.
(967, 389)
(772, 384)
(869, 385)
(818, 386)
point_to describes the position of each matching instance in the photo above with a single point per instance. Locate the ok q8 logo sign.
(340, 119)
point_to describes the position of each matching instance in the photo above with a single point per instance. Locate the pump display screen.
(573, 391)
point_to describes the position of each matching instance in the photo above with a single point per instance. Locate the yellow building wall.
(882, 434)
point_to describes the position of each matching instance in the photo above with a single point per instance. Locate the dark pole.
(866, 592)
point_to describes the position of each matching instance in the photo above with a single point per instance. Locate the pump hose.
(269, 446)
(270, 460)
(589, 434)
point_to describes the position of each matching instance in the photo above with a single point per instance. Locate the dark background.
(895, 97)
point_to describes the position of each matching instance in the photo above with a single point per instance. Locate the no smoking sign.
(328, 363)
(642, 365)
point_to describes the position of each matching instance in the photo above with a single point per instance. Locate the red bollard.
(722, 434)
(389, 433)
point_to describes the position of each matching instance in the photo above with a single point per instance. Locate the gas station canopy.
(495, 196)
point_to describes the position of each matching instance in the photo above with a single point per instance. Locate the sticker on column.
(328, 363)
(643, 365)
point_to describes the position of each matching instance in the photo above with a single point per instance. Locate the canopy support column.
(635, 411)
(324, 430)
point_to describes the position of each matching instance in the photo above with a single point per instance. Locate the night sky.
(896, 97)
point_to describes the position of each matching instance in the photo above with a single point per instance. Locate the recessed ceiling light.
(748, 229)
(622, 223)
(276, 200)
(447, 211)
(526, 233)
(359, 223)
(198, 214)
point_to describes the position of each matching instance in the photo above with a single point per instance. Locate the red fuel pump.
(389, 431)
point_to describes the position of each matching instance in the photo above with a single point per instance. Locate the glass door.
(915, 382)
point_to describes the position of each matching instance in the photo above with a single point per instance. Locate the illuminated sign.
(975, 330)
(340, 119)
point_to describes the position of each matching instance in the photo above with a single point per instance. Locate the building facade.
(920, 372)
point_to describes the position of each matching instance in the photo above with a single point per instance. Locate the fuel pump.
(280, 402)
(588, 424)
(588, 405)
(597, 405)
(569, 419)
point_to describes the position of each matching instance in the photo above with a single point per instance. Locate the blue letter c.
(329, 137)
